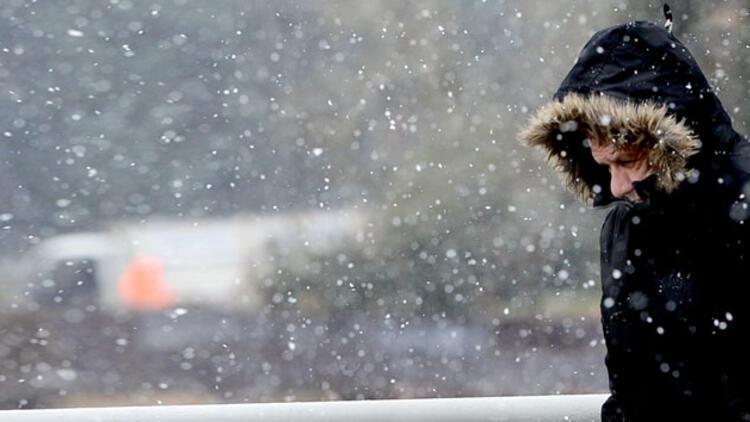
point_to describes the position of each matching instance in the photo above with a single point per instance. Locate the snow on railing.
(506, 409)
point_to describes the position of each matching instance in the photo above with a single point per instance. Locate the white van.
(170, 263)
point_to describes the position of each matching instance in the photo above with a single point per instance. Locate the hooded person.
(675, 244)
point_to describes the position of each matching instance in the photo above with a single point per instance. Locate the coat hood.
(636, 85)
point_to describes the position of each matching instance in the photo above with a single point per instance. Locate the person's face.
(625, 167)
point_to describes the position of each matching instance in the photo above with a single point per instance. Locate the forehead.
(609, 151)
(600, 149)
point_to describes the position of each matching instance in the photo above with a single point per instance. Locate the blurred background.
(252, 201)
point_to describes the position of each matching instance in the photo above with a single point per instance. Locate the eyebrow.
(628, 156)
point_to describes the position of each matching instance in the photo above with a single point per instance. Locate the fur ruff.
(563, 130)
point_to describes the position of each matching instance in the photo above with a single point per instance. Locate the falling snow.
(286, 200)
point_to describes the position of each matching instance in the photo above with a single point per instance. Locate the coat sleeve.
(619, 320)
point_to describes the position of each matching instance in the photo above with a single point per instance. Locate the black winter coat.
(675, 267)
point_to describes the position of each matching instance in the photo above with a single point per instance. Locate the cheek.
(639, 173)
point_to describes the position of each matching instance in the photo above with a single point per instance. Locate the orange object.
(143, 286)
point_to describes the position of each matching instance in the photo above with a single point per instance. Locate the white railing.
(490, 409)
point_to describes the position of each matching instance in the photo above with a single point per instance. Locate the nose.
(620, 183)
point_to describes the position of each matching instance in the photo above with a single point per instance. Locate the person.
(635, 126)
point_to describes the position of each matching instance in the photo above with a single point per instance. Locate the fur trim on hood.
(563, 130)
